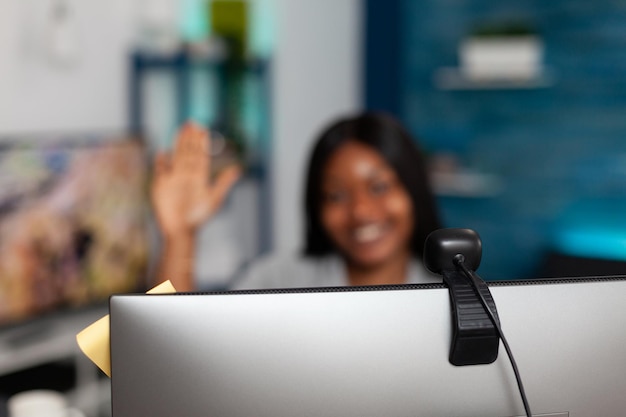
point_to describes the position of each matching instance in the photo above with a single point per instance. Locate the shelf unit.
(179, 64)
(466, 184)
(451, 78)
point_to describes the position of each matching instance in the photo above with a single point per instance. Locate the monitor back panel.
(365, 353)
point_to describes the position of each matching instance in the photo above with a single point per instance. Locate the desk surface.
(44, 340)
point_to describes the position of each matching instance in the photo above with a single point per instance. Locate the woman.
(368, 203)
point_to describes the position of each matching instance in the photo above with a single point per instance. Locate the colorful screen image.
(73, 225)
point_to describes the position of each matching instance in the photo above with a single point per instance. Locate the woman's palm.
(182, 193)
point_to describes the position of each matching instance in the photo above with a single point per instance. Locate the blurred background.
(518, 105)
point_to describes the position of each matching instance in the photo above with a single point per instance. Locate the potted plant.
(510, 51)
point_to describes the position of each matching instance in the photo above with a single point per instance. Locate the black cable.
(459, 260)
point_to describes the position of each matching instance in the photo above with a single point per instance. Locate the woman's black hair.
(387, 136)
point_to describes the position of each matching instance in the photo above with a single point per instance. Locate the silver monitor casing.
(360, 352)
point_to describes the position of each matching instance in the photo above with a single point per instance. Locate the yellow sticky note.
(95, 340)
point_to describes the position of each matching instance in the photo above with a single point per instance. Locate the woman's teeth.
(369, 233)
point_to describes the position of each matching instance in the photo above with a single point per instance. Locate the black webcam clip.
(455, 254)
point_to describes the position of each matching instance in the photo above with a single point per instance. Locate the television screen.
(72, 224)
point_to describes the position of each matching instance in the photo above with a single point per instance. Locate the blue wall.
(560, 151)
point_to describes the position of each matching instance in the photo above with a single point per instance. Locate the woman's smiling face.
(365, 209)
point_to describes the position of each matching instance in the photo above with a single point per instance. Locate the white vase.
(512, 57)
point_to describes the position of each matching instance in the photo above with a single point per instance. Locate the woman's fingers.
(180, 141)
(223, 183)
(199, 145)
(199, 141)
(190, 151)
(161, 163)
(189, 166)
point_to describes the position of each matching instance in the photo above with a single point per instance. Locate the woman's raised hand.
(182, 192)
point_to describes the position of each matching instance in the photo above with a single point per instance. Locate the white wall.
(37, 94)
(316, 78)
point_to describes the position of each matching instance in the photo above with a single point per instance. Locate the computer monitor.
(73, 223)
(372, 351)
